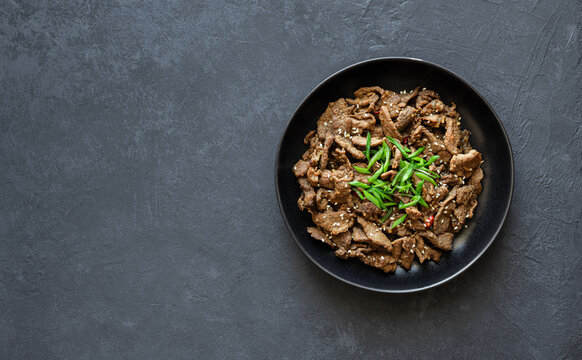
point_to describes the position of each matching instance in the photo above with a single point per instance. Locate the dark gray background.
(138, 218)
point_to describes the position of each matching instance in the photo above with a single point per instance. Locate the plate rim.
(462, 269)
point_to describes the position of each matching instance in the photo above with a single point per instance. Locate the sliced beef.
(325, 179)
(359, 235)
(388, 125)
(424, 97)
(349, 147)
(369, 211)
(300, 168)
(313, 176)
(465, 164)
(329, 138)
(334, 222)
(307, 198)
(406, 117)
(363, 91)
(452, 136)
(342, 240)
(388, 175)
(351, 226)
(321, 199)
(374, 233)
(361, 141)
(434, 107)
(319, 235)
(310, 135)
(413, 213)
(405, 248)
(443, 241)
(406, 97)
(434, 120)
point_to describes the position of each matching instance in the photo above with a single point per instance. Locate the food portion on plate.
(389, 177)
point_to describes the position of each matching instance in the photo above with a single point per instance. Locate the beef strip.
(307, 198)
(361, 141)
(374, 233)
(310, 135)
(452, 136)
(433, 107)
(319, 235)
(366, 90)
(404, 246)
(405, 117)
(342, 240)
(388, 125)
(349, 147)
(443, 241)
(424, 252)
(465, 164)
(329, 138)
(300, 168)
(334, 222)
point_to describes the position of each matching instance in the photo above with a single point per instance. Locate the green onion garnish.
(379, 192)
(398, 221)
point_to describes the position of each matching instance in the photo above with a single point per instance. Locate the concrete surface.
(137, 211)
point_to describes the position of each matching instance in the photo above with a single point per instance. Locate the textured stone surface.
(137, 211)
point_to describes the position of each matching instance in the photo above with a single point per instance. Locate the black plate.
(487, 136)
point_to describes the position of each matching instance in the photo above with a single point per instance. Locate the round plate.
(487, 136)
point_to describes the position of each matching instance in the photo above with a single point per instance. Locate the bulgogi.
(389, 177)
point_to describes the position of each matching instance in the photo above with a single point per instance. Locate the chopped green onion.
(398, 221)
(362, 170)
(413, 201)
(377, 156)
(359, 184)
(419, 187)
(421, 149)
(407, 174)
(376, 174)
(386, 216)
(359, 193)
(428, 172)
(431, 160)
(368, 143)
(402, 149)
(370, 197)
(425, 177)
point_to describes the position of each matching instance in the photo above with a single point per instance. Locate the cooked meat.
(342, 240)
(300, 168)
(347, 144)
(465, 164)
(404, 97)
(388, 125)
(452, 136)
(405, 117)
(329, 138)
(375, 234)
(333, 222)
(307, 198)
(443, 241)
(434, 120)
(433, 107)
(389, 236)
(413, 213)
(424, 252)
(361, 141)
(319, 235)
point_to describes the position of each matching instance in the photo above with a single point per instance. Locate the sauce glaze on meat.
(352, 227)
